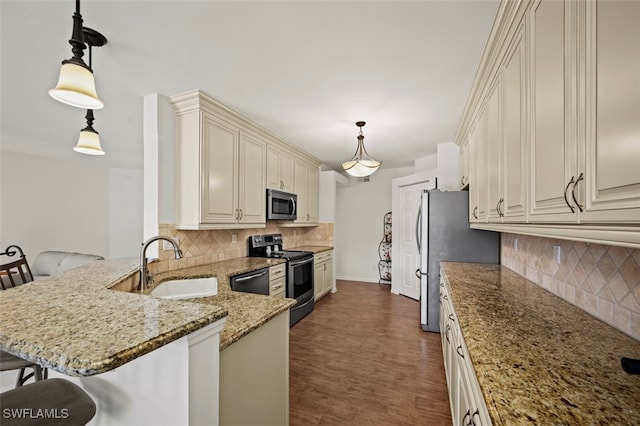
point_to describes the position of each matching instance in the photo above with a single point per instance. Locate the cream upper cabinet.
(279, 169)
(562, 160)
(252, 166)
(222, 164)
(220, 173)
(513, 161)
(609, 174)
(463, 164)
(493, 147)
(306, 180)
(553, 83)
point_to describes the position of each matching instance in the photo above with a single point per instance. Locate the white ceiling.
(305, 70)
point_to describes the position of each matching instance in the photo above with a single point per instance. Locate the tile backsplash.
(201, 247)
(602, 280)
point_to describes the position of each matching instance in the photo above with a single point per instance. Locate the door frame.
(397, 185)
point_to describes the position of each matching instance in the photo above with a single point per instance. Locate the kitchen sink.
(189, 288)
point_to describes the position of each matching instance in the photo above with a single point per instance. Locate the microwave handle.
(293, 205)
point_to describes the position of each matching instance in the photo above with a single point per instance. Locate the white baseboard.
(366, 280)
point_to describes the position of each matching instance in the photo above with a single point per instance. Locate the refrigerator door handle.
(418, 273)
(419, 228)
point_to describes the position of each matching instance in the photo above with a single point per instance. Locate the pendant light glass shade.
(76, 87)
(361, 164)
(89, 143)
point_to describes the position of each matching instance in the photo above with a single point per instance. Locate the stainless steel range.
(299, 271)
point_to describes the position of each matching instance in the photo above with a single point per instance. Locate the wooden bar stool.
(49, 402)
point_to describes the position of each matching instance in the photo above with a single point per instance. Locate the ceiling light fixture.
(89, 140)
(76, 85)
(359, 165)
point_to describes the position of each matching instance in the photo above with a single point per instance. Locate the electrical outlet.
(557, 254)
(515, 244)
(234, 238)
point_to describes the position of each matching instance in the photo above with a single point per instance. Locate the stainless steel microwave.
(281, 205)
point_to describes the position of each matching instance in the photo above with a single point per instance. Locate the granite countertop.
(312, 248)
(538, 358)
(246, 311)
(74, 324)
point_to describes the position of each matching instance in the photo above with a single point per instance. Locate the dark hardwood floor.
(361, 358)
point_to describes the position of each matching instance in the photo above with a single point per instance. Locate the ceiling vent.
(364, 179)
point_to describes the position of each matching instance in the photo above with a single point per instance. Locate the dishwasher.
(251, 282)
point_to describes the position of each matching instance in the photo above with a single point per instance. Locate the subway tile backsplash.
(201, 247)
(602, 280)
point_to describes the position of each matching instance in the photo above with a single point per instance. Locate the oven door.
(300, 278)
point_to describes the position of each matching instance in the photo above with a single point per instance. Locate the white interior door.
(410, 196)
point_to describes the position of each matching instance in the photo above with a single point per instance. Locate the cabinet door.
(463, 164)
(514, 137)
(219, 170)
(328, 275)
(553, 145)
(252, 195)
(473, 174)
(300, 188)
(494, 148)
(313, 181)
(482, 181)
(286, 171)
(610, 191)
(273, 169)
(318, 280)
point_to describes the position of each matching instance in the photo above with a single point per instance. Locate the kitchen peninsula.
(74, 324)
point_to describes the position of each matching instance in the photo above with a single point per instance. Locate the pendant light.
(361, 164)
(89, 140)
(76, 85)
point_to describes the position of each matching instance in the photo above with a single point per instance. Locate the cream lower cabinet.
(467, 403)
(278, 280)
(221, 168)
(322, 274)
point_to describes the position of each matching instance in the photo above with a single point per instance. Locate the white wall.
(53, 204)
(360, 210)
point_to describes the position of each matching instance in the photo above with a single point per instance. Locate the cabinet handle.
(468, 414)
(566, 188)
(475, 413)
(446, 333)
(451, 317)
(462, 181)
(241, 215)
(573, 192)
(275, 287)
(459, 350)
(237, 214)
(498, 209)
(501, 203)
(475, 212)
(445, 297)
(281, 185)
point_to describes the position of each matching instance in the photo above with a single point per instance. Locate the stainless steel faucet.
(145, 277)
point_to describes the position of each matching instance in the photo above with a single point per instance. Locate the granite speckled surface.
(73, 323)
(246, 311)
(312, 248)
(539, 359)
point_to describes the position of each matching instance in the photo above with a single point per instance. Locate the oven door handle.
(250, 277)
(301, 262)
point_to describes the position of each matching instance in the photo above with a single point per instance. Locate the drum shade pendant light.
(89, 140)
(76, 85)
(361, 164)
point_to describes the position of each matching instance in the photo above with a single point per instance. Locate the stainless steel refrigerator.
(443, 234)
